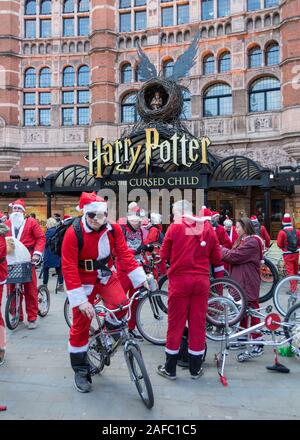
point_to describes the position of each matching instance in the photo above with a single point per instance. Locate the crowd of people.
(103, 258)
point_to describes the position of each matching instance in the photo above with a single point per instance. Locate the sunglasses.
(94, 214)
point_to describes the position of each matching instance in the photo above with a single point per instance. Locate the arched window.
(69, 77)
(186, 111)
(126, 72)
(168, 68)
(30, 78)
(225, 62)
(83, 5)
(45, 77)
(272, 54)
(255, 57)
(45, 7)
(264, 95)
(83, 76)
(217, 100)
(30, 7)
(208, 65)
(68, 6)
(128, 108)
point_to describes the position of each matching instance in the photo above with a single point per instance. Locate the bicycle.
(286, 295)
(102, 347)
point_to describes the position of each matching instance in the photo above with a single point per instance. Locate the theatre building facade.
(69, 74)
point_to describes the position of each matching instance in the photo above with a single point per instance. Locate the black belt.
(2, 260)
(92, 265)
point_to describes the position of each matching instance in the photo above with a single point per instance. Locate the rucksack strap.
(77, 228)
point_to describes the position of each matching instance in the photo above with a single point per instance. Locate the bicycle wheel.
(68, 313)
(228, 288)
(12, 311)
(216, 310)
(291, 326)
(139, 375)
(43, 301)
(96, 354)
(152, 317)
(268, 279)
(286, 294)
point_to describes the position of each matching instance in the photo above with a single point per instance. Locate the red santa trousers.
(2, 324)
(127, 287)
(291, 263)
(188, 296)
(31, 297)
(252, 320)
(113, 295)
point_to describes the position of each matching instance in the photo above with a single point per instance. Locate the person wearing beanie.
(28, 231)
(288, 240)
(261, 231)
(89, 271)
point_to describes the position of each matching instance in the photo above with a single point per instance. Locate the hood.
(3, 229)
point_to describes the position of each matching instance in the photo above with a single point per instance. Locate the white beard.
(17, 219)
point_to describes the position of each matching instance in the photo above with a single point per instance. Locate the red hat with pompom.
(286, 219)
(90, 202)
(20, 203)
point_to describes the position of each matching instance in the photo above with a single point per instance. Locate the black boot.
(169, 369)
(80, 365)
(195, 362)
(183, 356)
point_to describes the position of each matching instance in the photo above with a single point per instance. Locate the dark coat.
(50, 260)
(245, 261)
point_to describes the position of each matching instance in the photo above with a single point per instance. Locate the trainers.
(2, 354)
(240, 343)
(256, 351)
(32, 325)
(199, 374)
(135, 335)
(60, 288)
(164, 373)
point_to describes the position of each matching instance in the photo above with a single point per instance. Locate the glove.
(150, 248)
(141, 248)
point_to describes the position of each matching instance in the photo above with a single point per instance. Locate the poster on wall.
(71, 210)
(40, 214)
(297, 218)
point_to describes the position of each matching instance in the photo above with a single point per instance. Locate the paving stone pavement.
(36, 382)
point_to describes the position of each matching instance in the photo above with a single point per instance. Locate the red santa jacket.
(3, 253)
(282, 241)
(232, 234)
(153, 234)
(96, 246)
(190, 249)
(30, 234)
(223, 238)
(265, 236)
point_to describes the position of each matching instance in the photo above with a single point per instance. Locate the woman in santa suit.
(89, 271)
(3, 275)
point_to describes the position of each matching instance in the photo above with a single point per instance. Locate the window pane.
(68, 97)
(125, 4)
(69, 6)
(270, 3)
(83, 5)
(83, 76)
(257, 102)
(83, 96)
(277, 208)
(140, 20)
(45, 28)
(44, 117)
(83, 116)
(29, 98)
(253, 5)
(272, 55)
(209, 65)
(186, 111)
(273, 100)
(125, 22)
(68, 116)
(210, 107)
(126, 74)
(45, 78)
(218, 90)
(68, 27)
(46, 7)
(30, 29)
(225, 63)
(168, 69)
(207, 9)
(223, 8)
(167, 16)
(182, 14)
(30, 79)
(30, 7)
(83, 26)
(69, 77)
(45, 98)
(128, 113)
(225, 106)
(255, 57)
(29, 117)
(265, 84)
(140, 2)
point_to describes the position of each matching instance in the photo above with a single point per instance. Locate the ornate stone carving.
(261, 123)
(34, 137)
(73, 136)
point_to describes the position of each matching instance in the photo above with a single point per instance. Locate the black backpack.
(55, 242)
(292, 240)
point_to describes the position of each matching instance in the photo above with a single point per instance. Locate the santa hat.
(132, 206)
(155, 218)
(227, 222)
(286, 219)
(20, 203)
(215, 214)
(90, 202)
(205, 213)
(134, 214)
(67, 216)
(2, 215)
(253, 218)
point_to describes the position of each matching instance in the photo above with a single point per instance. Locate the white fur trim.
(17, 205)
(95, 207)
(137, 276)
(167, 350)
(196, 219)
(218, 268)
(38, 253)
(103, 246)
(20, 230)
(2, 282)
(85, 226)
(77, 296)
(203, 243)
(73, 349)
(196, 353)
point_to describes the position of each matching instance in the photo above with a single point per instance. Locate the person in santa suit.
(260, 230)
(290, 253)
(3, 275)
(89, 271)
(154, 234)
(230, 230)
(223, 238)
(132, 207)
(190, 246)
(29, 232)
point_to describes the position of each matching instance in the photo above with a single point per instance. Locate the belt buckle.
(86, 265)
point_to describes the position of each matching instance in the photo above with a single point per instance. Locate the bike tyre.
(12, 325)
(43, 313)
(271, 266)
